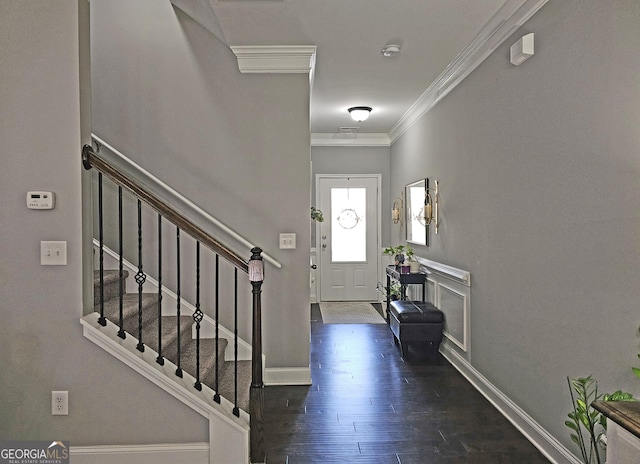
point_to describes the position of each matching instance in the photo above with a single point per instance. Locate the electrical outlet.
(59, 403)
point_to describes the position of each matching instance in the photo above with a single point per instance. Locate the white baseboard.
(287, 376)
(551, 448)
(192, 453)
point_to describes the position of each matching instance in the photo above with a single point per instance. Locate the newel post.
(256, 396)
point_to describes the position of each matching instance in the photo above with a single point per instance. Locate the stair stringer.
(170, 299)
(228, 434)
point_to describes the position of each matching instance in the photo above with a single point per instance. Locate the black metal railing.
(172, 346)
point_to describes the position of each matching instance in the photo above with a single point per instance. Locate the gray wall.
(169, 95)
(41, 343)
(539, 171)
(356, 160)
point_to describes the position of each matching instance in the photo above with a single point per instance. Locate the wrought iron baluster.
(236, 409)
(121, 333)
(140, 279)
(198, 316)
(101, 320)
(216, 396)
(179, 369)
(160, 358)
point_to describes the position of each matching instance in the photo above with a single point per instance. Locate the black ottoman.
(416, 321)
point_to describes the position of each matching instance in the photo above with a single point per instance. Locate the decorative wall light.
(359, 113)
(430, 209)
(396, 210)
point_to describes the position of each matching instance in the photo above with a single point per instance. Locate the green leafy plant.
(316, 215)
(394, 290)
(636, 370)
(397, 252)
(409, 252)
(586, 423)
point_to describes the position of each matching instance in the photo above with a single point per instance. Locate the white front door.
(348, 241)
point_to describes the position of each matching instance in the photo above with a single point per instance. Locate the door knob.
(314, 266)
(324, 245)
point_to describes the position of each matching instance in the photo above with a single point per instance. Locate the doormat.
(349, 312)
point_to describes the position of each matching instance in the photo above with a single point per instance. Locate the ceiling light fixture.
(391, 50)
(359, 113)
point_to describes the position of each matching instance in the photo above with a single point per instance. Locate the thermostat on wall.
(41, 200)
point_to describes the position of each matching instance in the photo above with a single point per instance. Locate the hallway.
(367, 405)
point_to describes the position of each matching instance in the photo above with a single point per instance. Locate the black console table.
(412, 278)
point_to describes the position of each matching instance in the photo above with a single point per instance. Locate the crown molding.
(350, 140)
(283, 59)
(512, 15)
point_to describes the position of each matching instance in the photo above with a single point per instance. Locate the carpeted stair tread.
(244, 383)
(130, 309)
(168, 332)
(111, 287)
(170, 335)
(226, 370)
(207, 359)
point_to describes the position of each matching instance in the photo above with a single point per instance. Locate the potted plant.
(395, 290)
(588, 426)
(415, 265)
(397, 253)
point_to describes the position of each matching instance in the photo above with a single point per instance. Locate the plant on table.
(396, 252)
(588, 425)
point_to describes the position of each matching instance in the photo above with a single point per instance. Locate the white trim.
(170, 298)
(459, 275)
(151, 180)
(287, 376)
(193, 453)
(163, 376)
(284, 59)
(464, 343)
(227, 433)
(347, 140)
(378, 178)
(551, 448)
(512, 15)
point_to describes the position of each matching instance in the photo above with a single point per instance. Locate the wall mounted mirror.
(417, 230)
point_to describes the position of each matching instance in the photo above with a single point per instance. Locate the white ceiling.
(350, 34)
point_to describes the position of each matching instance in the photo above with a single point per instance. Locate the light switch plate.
(287, 241)
(53, 253)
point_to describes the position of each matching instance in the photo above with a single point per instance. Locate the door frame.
(378, 206)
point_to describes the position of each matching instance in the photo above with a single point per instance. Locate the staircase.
(165, 342)
(169, 337)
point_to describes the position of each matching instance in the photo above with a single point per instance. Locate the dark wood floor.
(369, 405)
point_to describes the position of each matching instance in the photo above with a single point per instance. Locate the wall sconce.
(430, 209)
(396, 210)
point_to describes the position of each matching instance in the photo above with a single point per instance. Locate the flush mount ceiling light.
(391, 50)
(359, 113)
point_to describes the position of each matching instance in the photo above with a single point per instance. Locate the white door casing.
(349, 238)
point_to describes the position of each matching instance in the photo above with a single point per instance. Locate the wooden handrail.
(91, 160)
